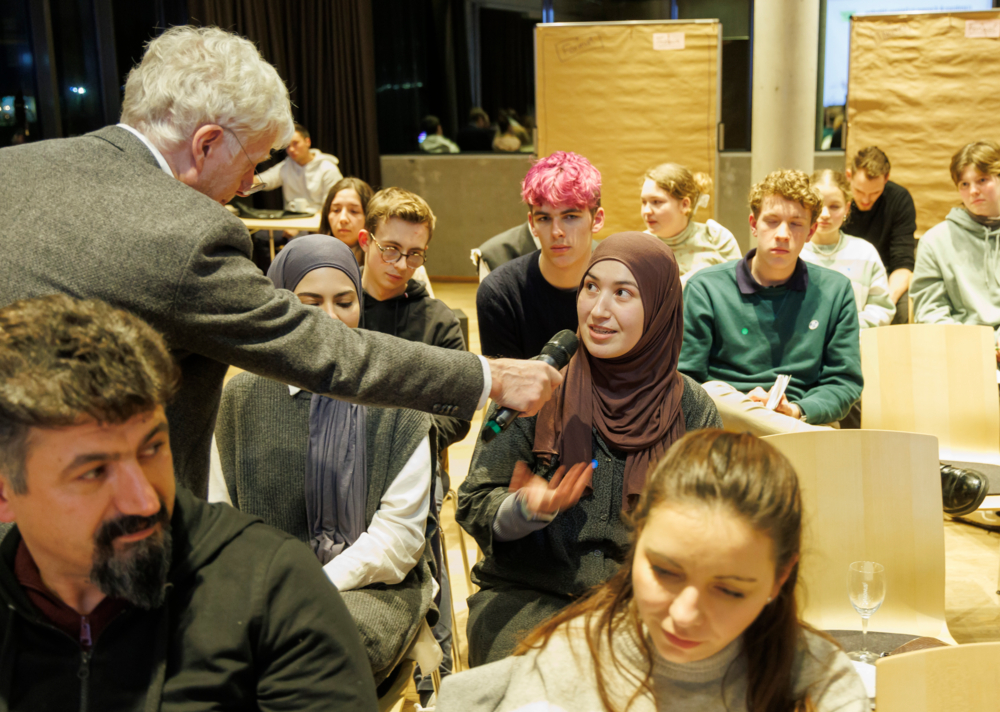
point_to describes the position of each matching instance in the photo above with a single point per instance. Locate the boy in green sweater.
(771, 313)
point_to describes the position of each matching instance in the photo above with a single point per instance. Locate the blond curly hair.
(788, 184)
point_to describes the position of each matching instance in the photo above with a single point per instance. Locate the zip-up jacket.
(250, 623)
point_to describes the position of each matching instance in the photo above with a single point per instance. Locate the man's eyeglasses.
(390, 255)
(257, 185)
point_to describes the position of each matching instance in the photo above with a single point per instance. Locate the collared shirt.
(156, 154)
(85, 629)
(799, 281)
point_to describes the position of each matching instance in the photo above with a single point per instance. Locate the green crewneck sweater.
(807, 328)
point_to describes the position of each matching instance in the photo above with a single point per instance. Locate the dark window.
(18, 93)
(507, 61)
(77, 67)
(737, 62)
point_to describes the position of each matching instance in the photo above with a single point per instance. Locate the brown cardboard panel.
(605, 92)
(920, 90)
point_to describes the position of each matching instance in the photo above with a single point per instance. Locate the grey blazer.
(95, 217)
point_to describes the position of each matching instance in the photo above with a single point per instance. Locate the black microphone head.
(561, 347)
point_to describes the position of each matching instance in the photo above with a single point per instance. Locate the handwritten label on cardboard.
(668, 40)
(575, 46)
(982, 28)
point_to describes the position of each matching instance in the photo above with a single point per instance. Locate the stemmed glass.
(866, 587)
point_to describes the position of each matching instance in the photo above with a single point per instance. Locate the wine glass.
(866, 587)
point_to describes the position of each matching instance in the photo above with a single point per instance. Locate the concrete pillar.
(785, 56)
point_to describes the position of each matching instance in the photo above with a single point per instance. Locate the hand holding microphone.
(555, 355)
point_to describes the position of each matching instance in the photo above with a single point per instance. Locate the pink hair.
(564, 178)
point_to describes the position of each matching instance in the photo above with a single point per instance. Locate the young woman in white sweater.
(854, 257)
(702, 615)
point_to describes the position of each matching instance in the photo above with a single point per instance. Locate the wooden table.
(309, 224)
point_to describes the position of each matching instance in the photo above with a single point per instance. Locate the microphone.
(557, 354)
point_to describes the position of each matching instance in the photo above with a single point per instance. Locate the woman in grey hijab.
(352, 482)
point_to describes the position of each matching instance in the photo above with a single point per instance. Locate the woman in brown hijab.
(545, 498)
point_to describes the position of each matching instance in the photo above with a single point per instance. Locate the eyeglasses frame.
(258, 183)
(381, 250)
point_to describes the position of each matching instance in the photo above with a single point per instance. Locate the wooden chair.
(472, 588)
(952, 679)
(871, 495)
(938, 379)
(423, 651)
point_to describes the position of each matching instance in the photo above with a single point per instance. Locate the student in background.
(305, 176)
(434, 140)
(477, 135)
(399, 227)
(525, 302)
(670, 197)
(401, 223)
(343, 213)
(771, 314)
(545, 499)
(353, 482)
(853, 257)
(883, 213)
(702, 614)
(344, 218)
(957, 275)
(506, 139)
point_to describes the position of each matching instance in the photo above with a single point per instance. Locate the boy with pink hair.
(525, 302)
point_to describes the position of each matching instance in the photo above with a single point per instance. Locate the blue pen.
(593, 464)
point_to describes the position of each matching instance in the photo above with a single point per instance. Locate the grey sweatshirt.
(957, 276)
(561, 677)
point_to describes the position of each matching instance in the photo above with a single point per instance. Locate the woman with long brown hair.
(701, 616)
(343, 214)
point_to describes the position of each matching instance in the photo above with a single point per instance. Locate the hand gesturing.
(551, 497)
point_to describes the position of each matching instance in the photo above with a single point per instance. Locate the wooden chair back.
(938, 379)
(952, 679)
(870, 495)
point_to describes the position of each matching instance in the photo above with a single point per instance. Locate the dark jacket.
(250, 623)
(416, 316)
(129, 234)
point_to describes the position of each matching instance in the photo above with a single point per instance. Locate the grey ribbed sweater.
(263, 436)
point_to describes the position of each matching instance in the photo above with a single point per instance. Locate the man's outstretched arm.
(225, 309)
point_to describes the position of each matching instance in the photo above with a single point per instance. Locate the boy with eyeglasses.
(398, 228)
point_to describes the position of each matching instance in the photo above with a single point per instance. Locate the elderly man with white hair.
(132, 215)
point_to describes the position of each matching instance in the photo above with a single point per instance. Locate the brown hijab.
(633, 400)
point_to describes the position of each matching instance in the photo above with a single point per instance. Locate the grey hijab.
(336, 463)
